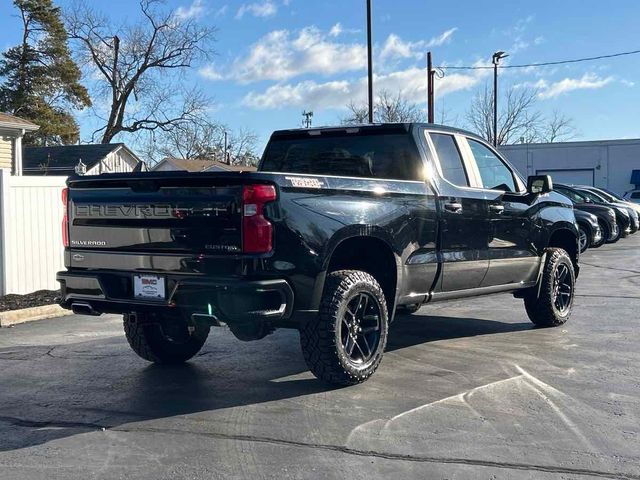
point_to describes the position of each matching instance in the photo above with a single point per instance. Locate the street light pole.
(495, 60)
(430, 77)
(370, 60)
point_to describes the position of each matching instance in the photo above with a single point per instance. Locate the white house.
(12, 129)
(199, 165)
(89, 159)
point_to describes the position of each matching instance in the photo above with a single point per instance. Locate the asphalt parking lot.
(467, 389)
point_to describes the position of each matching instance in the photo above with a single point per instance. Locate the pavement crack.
(392, 456)
(606, 296)
(609, 268)
(21, 422)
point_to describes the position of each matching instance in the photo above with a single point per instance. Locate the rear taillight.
(257, 231)
(65, 217)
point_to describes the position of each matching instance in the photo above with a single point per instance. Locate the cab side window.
(495, 175)
(450, 159)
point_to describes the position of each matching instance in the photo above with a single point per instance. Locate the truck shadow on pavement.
(53, 392)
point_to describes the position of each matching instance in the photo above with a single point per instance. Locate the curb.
(15, 317)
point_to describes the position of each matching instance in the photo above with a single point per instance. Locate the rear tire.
(345, 343)
(553, 306)
(168, 341)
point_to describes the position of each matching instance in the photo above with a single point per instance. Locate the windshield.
(612, 197)
(605, 195)
(574, 196)
(391, 156)
(594, 197)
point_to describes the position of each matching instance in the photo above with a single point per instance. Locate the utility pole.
(370, 60)
(308, 117)
(430, 78)
(495, 60)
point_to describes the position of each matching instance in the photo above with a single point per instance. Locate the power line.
(543, 64)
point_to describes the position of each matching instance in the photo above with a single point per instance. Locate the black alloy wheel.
(549, 303)
(562, 288)
(359, 329)
(345, 343)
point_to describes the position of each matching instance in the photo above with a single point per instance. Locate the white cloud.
(281, 55)
(336, 30)
(196, 10)
(588, 81)
(308, 93)
(627, 83)
(394, 47)
(410, 83)
(444, 37)
(222, 11)
(209, 72)
(263, 9)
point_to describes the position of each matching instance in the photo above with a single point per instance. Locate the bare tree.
(189, 140)
(388, 108)
(358, 113)
(558, 128)
(516, 116)
(139, 66)
(242, 147)
(518, 119)
(392, 109)
(202, 140)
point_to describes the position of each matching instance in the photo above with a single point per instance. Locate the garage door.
(570, 177)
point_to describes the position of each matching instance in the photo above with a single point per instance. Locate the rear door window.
(385, 156)
(450, 160)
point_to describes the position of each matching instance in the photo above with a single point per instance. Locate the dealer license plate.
(148, 287)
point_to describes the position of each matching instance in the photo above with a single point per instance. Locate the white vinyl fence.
(31, 250)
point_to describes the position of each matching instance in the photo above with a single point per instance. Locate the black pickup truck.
(337, 230)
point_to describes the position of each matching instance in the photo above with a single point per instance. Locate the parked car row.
(602, 216)
(632, 196)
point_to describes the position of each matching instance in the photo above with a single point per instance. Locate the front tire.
(616, 237)
(604, 233)
(345, 343)
(167, 341)
(552, 307)
(584, 238)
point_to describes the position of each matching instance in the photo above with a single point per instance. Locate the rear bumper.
(226, 300)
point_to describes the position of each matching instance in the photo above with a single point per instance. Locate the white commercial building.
(604, 163)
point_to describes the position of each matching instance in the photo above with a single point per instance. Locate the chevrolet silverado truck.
(338, 230)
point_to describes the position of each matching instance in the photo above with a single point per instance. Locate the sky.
(277, 58)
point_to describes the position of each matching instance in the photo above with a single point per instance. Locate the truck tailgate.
(186, 213)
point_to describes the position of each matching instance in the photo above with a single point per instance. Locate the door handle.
(453, 207)
(497, 209)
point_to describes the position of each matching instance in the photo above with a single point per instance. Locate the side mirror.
(539, 184)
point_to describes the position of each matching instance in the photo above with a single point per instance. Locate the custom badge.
(305, 182)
